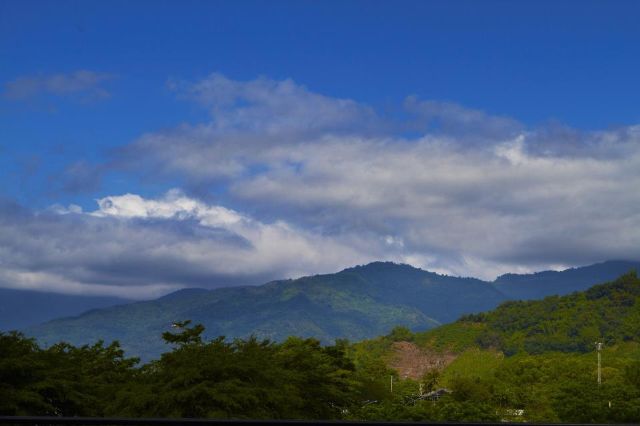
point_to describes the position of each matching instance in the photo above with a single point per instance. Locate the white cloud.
(140, 248)
(272, 107)
(475, 195)
(269, 247)
(330, 184)
(453, 119)
(506, 206)
(250, 123)
(84, 82)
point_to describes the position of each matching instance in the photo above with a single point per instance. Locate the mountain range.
(356, 303)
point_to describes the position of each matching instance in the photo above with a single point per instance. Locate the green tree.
(186, 335)
(20, 372)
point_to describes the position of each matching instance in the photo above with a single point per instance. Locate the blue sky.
(241, 105)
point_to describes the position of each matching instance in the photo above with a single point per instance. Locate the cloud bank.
(331, 183)
(141, 248)
(477, 194)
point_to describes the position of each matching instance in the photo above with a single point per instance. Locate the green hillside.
(356, 303)
(525, 361)
(608, 312)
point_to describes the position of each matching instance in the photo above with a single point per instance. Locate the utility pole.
(391, 384)
(599, 348)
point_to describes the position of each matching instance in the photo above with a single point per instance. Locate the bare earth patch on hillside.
(412, 362)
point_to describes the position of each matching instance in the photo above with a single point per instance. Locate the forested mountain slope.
(531, 361)
(547, 283)
(607, 313)
(356, 303)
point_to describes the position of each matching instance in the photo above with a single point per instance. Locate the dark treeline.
(298, 378)
(295, 379)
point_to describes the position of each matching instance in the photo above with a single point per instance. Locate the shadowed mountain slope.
(546, 283)
(356, 303)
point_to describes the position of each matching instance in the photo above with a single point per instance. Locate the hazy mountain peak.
(384, 267)
(184, 292)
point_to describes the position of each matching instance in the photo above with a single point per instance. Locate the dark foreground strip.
(43, 421)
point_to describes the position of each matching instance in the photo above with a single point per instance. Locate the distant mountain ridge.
(24, 308)
(546, 283)
(356, 303)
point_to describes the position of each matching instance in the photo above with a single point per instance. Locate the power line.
(599, 349)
